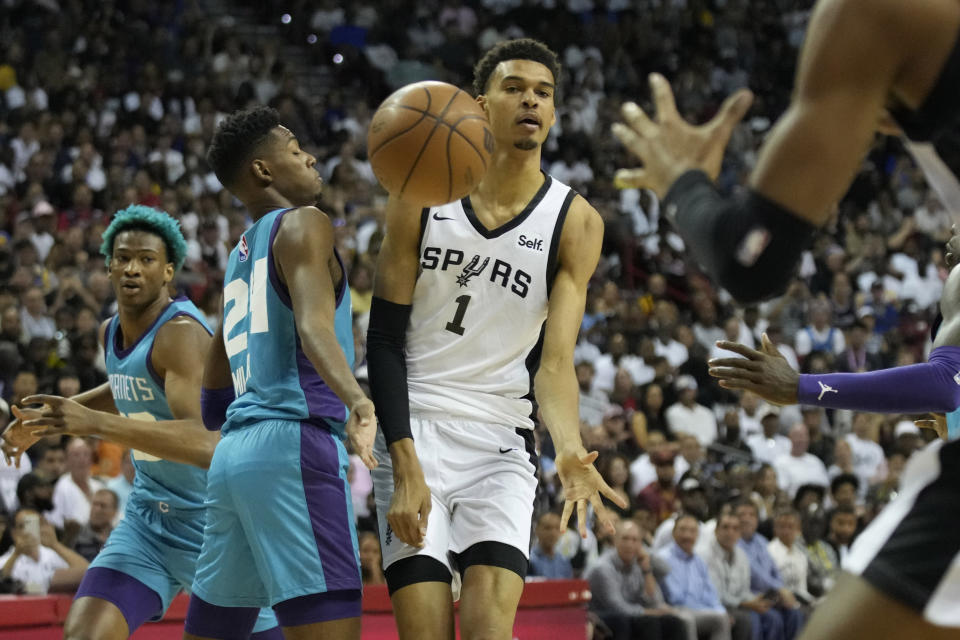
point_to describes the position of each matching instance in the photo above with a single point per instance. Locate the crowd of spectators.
(105, 104)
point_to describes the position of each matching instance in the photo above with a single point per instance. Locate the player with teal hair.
(138, 217)
(155, 349)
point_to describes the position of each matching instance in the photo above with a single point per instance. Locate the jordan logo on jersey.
(472, 269)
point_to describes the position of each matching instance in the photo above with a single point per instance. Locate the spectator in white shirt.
(643, 471)
(788, 555)
(593, 402)
(799, 467)
(618, 357)
(42, 564)
(769, 445)
(687, 416)
(752, 408)
(34, 319)
(820, 334)
(74, 490)
(869, 462)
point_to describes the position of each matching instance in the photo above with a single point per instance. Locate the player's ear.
(482, 101)
(168, 272)
(261, 171)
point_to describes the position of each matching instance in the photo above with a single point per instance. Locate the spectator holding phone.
(730, 573)
(38, 560)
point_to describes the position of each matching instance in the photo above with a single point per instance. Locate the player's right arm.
(396, 277)
(303, 251)
(178, 355)
(858, 53)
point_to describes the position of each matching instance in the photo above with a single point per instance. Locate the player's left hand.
(765, 372)
(582, 483)
(935, 421)
(362, 431)
(60, 416)
(669, 146)
(16, 437)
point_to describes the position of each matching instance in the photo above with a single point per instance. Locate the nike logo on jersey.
(533, 243)
(956, 378)
(501, 272)
(437, 216)
(502, 450)
(824, 388)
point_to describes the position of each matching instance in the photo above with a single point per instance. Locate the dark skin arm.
(858, 55)
(766, 372)
(178, 353)
(303, 253)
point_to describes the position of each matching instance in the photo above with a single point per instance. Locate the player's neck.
(511, 181)
(135, 321)
(263, 202)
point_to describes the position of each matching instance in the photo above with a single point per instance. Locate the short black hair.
(236, 139)
(841, 510)
(520, 49)
(842, 479)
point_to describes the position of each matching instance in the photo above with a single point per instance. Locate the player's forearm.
(750, 245)
(100, 398)
(184, 441)
(403, 456)
(321, 347)
(917, 388)
(559, 398)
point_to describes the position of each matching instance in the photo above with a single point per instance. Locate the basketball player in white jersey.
(474, 321)
(861, 59)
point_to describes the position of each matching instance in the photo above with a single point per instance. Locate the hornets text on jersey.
(138, 392)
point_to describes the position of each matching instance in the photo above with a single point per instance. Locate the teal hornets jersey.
(138, 392)
(272, 377)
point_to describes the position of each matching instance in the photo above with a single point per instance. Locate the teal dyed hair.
(137, 217)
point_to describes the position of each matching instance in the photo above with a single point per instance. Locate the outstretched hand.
(17, 438)
(582, 483)
(765, 373)
(668, 146)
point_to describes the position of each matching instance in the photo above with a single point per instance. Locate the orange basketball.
(429, 143)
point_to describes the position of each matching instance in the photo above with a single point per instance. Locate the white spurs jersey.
(479, 307)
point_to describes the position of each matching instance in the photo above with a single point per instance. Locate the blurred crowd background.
(106, 103)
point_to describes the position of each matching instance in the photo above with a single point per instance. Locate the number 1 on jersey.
(455, 325)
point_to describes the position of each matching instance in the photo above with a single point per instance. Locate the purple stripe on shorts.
(221, 623)
(136, 601)
(319, 607)
(326, 495)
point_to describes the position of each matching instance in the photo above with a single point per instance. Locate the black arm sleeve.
(751, 246)
(387, 367)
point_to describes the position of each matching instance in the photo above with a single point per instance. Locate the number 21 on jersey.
(245, 308)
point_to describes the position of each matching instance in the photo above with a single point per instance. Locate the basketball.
(429, 143)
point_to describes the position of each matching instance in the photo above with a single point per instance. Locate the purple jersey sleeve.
(933, 386)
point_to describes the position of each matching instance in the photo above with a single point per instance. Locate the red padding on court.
(549, 610)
